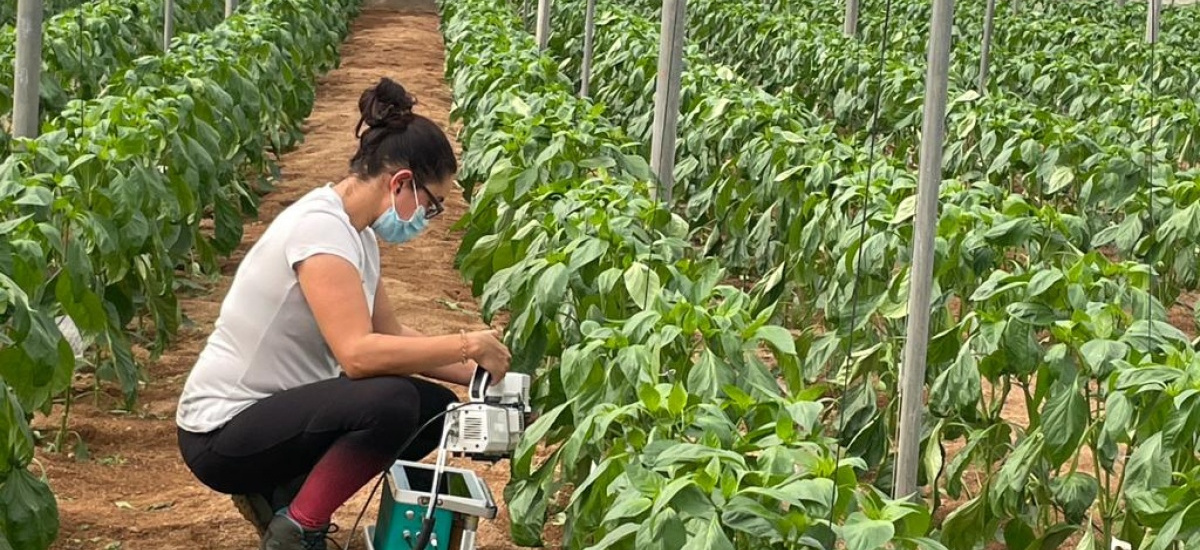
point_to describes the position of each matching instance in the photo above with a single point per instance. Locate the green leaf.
(996, 283)
(628, 507)
(1100, 355)
(966, 525)
(608, 279)
(1124, 234)
(615, 536)
(862, 533)
(957, 389)
(1167, 534)
(1066, 418)
(1014, 232)
(1154, 336)
(30, 511)
(1007, 493)
(933, 458)
(8, 226)
(751, 517)
(588, 252)
(16, 439)
(642, 283)
(677, 400)
(1149, 466)
(1061, 179)
(1054, 537)
(1075, 493)
(779, 337)
(35, 196)
(1042, 281)
(228, 225)
(1018, 534)
(651, 398)
(906, 210)
(523, 456)
(712, 537)
(691, 453)
(664, 498)
(551, 286)
(967, 96)
(708, 376)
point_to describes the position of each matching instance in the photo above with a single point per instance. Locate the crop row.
(1023, 300)
(665, 427)
(727, 126)
(1035, 50)
(101, 210)
(82, 47)
(841, 77)
(8, 10)
(1092, 168)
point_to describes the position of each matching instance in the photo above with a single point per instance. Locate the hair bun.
(385, 105)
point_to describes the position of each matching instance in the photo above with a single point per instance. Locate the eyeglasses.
(436, 208)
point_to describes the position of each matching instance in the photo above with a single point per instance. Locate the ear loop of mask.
(416, 202)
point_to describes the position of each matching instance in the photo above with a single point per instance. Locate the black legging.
(280, 438)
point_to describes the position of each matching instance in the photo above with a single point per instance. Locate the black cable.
(862, 235)
(411, 438)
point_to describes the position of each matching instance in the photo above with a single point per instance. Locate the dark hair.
(396, 137)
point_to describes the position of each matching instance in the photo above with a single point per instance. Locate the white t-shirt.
(266, 339)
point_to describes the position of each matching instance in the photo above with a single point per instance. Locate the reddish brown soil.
(134, 491)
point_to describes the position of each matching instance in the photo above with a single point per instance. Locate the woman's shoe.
(255, 508)
(283, 533)
(260, 509)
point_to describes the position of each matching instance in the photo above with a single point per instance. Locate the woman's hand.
(486, 348)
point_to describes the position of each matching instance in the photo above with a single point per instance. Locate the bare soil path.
(133, 492)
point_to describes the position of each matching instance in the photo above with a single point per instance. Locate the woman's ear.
(399, 179)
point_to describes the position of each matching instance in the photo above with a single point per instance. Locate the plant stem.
(1030, 409)
(61, 439)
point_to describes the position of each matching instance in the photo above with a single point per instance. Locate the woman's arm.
(385, 321)
(332, 287)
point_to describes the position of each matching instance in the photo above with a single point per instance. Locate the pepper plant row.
(665, 427)
(83, 47)
(8, 10)
(1067, 326)
(1063, 59)
(729, 125)
(1089, 168)
(842, 72)
(98, 216)
(841, 80)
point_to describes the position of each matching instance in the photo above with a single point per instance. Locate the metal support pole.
(851, 26)
(543, 24)
(985, 53)
(230, 7)
(589, 43)
(666, 95)
(1153, 21)
(168, 23)
(28, 75)
(912, 374)
(469, 532)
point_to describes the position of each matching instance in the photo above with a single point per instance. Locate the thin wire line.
(862, 235)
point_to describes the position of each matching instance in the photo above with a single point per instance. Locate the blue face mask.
(393, 229)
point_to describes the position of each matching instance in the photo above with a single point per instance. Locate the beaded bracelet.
(463, 332)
